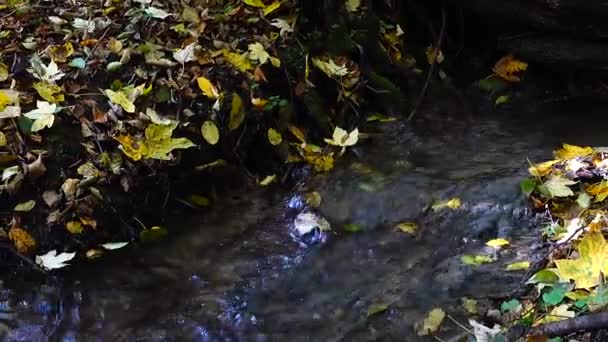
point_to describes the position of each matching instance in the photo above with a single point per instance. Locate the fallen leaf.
(305, 222)
(518, 266)
(43, 116)
(453, 203)
(352, 5)
(470, 305)
(157, 13)
(258, 53)
(255, 3)
(558, 186)
(599, 191)
(153, 234)
(375, 309)
(542, 169)
(572, 151)
(121, 99)
(476, 260)
(207, 88)
(593, 259)
(407, 227)
(74, 227)
(342, 138)
(267, 180)
(483, 333)
(52, 260)
(431, 322)
(237, 112)
(23, 241)
(497, 243)
(25, 206)
(50, 92)
(274, 137)
(210, 132)
(114, 245)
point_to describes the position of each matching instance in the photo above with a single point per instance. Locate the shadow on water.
(239, 273)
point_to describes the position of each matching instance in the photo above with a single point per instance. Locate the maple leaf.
(43, 116)
(508, 67)
(258, 53)
(343, 138)
(558, 186)
(282, 25)
(593, 259)
(572, 151)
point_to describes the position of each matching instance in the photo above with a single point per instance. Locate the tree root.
(588, 322)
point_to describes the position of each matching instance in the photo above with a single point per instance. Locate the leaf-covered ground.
(101, 103)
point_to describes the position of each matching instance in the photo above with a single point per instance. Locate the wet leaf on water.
(593, 259)
(376, 308)
(508, 68)
(380, 118)
(557, 186)
(353, 228)
(407, 227)
(497, 243)
(114, 245)
(527, 186)
(3, 140)
(313, 199)
(153, 234)
(25, 206)
(274, 137)
(572, 151)
(212, 165)
(518, 266)
(268, 180)
(210, 132)
(476, 260)
(512, 305)
(23, 241)
(74, 227)
(52, 260)
(431, 322)
(237, 112)
(470, 305)
(453, 203)
(502, 100)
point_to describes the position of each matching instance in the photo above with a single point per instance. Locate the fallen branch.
(588, 322)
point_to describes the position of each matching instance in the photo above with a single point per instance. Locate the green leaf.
(153, 234)
(25, 206)
(210, 132)
(510, 306)
(557, 186)
(431, 322)
(555, 296)
(545, 276)
(527, 186)
(476, 260)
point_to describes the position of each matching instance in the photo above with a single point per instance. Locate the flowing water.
(241, 273)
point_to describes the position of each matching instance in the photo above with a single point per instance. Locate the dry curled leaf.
(508, 68)
(23, 241)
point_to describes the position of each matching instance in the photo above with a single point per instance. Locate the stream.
(241, 272)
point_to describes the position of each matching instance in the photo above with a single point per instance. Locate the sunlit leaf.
(50, 92)
(407, 227)
(518, 266)
(207, 88)
(121, 99)
(542, 169)
(114, 245)
(572, 151)
(274, 137)
(25, 206)
(558, 186)
(593, 259)
(52, 260)
(74, 227)
(476, 260)
(497, 243)
(239, 61)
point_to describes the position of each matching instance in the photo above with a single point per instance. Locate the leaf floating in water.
(470, 305)
(518, 266)
(375, 309)
(114, 245)
(453, 203)
(304, 223)
(496, 243)
(476, 260)
(431, 322)
(268, 180)
(52, 260)
(407, 227)
(74, 227)
(542, 169)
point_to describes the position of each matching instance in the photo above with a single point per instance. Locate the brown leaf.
(23, 241)
(35, 169)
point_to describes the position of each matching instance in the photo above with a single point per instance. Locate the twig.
(588, 322)
(431, 71)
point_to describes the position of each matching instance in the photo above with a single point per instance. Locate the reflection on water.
(239, 273)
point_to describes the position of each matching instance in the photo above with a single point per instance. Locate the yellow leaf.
(542, 169)
(241, 62)
(593, 259)
(121, 99)
(353, 5)
(258, 53)
(237, 112)
(274, 137)
(50, 92)
(271, 8)
(453, 203)
(297, 132)
(132, 148)
(508, 67)
(74, 227)
(3, 72)
(407, 227)
(518, 266)
(558, 313)
(431, 322)
(470, 305)
(207, 88)
(321, 163)
(210, 132)
(267, 180)
(572, 151)
(258, 102)
(497, 243)
(23, 241)
(4, 100)
(255, 3)
(3, 140)
(275, 62)
(599, 190)
(159, 142)
(60, 53)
